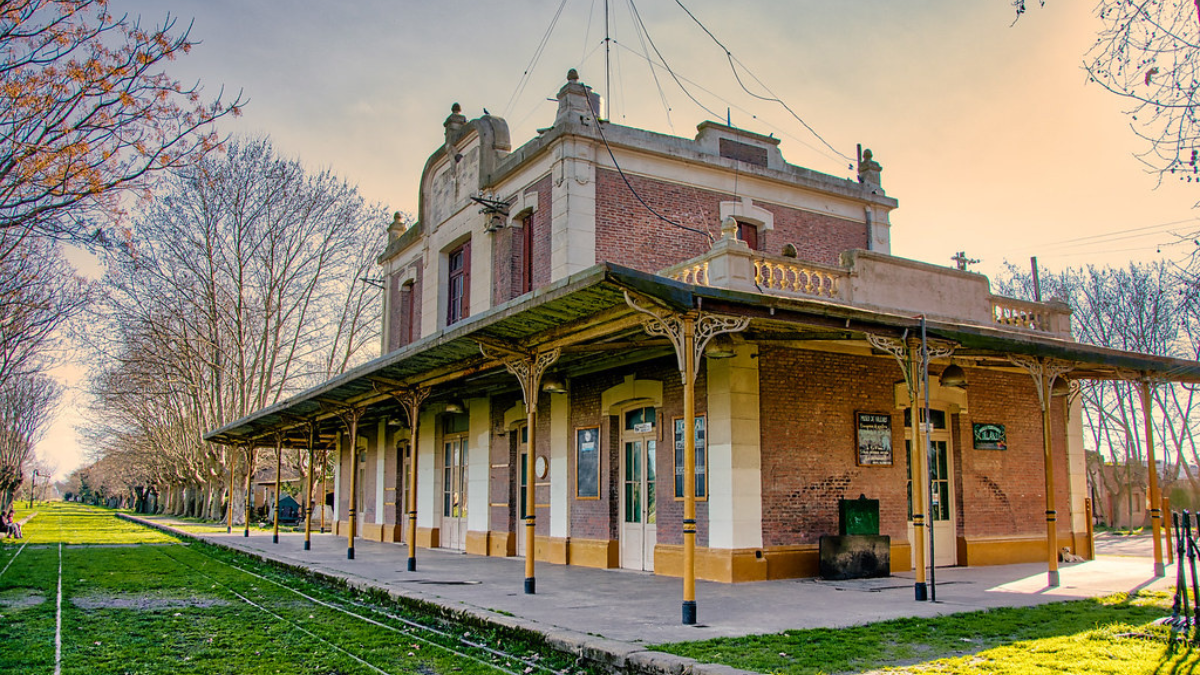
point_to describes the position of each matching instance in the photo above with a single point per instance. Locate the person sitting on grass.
(11, 526)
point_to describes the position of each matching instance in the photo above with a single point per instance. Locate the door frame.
(946, 554)
(646, 532)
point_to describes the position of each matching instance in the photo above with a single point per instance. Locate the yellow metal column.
(308, 506)
(278, 484)
(689, 471)
(249, 487)
(1152, 476)
(1045, 382)
(350, 418)
(530, 487)
(410, 400)
(230, 458)
(918, 467)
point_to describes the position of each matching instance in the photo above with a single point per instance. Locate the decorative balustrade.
(872, 281)
(695, 273)
(1014, 313)
(790, 276)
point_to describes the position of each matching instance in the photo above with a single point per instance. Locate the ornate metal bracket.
(663, 323)
(528, 369)
(1042, 370)
(899, 349)
(410, 400)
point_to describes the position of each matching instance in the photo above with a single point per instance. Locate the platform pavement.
(637, 610)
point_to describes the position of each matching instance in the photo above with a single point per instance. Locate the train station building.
(614, 348)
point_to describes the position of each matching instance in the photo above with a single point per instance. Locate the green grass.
(195, 608)
(1106, 635)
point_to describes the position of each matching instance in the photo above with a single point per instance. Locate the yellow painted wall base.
(713, 564)
(429, 537)
(901, 557)
(393, 533)
(501, 544)
(599, 553)
(477, 542)
(371, 532)
(556, 550)
(978, 551)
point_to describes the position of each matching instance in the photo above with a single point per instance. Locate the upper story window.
(526, 254)
(748, 233)
(458, 284)
(408, 314)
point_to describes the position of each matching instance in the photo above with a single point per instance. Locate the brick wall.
(807, 406)
(1002, 492)
(601, 518)
(808, 449)
(627, 234)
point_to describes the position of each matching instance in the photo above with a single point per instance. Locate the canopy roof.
(588, 318)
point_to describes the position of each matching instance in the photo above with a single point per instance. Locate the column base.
(307, 545)
(1160, 570)
(530, 585)
(1052, 578)
(350, 553)
(412, 564)
(921, 591)
(274, 539)
(689, 612)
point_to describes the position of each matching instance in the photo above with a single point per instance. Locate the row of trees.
(88, 119)
(1154, 309)
(246, 283)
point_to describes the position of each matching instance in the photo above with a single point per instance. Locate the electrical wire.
(717, 116)
(537, 55)
(639, 28)
(733, 63)
(604, 138)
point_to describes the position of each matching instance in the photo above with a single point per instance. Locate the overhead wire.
(640, 30)
(733, 63)
(628, 184)
(537, 55)
(732, 105)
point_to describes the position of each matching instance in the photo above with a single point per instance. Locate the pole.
(1051, 513)
(530, 480)
(32, 482)
(324, 484)
(249, 488)
(689, 471)
(1152, 477)
(278, 484)
(412, 404)
(312, 436)
(353, 502)
(931, 462)
(917, 469)
(231, 459)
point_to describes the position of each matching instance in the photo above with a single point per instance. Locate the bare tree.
(27, 405)
(88, 115)
(39, 295)
(246, 285)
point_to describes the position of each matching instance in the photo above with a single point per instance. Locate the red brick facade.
(628, 234)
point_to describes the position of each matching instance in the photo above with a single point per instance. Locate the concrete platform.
(641, 609)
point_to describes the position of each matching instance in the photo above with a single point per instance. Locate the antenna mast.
(607, 66)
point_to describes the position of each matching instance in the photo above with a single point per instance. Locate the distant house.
(542, 315)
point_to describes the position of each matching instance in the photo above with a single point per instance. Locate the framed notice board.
(989, 436)
(587, 463)
(874, 436)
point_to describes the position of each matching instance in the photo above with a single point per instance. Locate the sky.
(989, 134)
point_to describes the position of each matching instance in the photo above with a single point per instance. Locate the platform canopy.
(588, 318)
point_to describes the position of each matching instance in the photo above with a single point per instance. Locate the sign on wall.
(874, 439)
(989, 436)
(587, 463)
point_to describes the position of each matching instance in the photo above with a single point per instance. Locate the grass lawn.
(193, 608)
(1107, 635)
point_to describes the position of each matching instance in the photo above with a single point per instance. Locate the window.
(526, 254)
(748, 232)
(408, 316)
(701, 456)
(458, 284)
